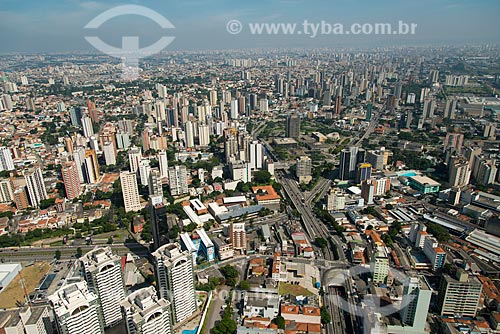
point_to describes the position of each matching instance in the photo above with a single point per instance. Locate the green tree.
(57, 255)
(79, 252)
(321, 242)
(173, 233)
(441, 233)
(45, 203)
(262, 177)
(227, 325)
(230, 274)
(447, 268)
(191, 227)
(326, 318)
(244, 285)
(196, 182)
(280, 322)
(110, 240)
(213, 282)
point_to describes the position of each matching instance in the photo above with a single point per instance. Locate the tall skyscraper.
(429, 107)
(75, 115)
(349, 159)
(363, 172)
(213, 98)
(21, 198)
(161, 90)
(264, 105)
(338, 104)
(109, 153)
(368, 191)
(377, 158)
(144, 171)
(91, 170)
(130, 191)
(369, 112)
(163, 161)
(433, 76)
(79, 158)
(489, 131)
(459, 173)
(454, 140)
(450, 108)
(122, 140)
(255, 150)
(292, 126)
(94, 116)
(77, 310)
(379, 266)
(6, 162)
(238, 236)
(234, 109)
(102, 271)
(71, 181)
(416, 298)
(134, 156)
(88, 130)
(177, 178)
(230, 147)
(304, 169)
(189, 134)
(145, 313)
(204, 135)
(398, 89)
(335, 201)
(159, 226)
(154, 183)
(410, 99)
(459, 294)
(174, 273)
(6, 191)
(35, 185)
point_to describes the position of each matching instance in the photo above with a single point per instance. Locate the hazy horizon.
(58, 26)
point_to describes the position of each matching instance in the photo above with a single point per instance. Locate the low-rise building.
(224, 250)
(424, 184)
(257, 304)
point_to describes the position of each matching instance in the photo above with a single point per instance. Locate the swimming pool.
(190, 331)
(408, 174)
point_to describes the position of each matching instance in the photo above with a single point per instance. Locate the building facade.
(77, 310)
(130, 191)
(174, 273)
(102, 270)
(145, 313)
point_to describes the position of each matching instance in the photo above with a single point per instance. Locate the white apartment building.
(76, 310)
(145, 313)
(174, 273)
(103, 274)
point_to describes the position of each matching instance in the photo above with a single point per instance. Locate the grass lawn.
(57, 243)
(294, 290)
(14, 291)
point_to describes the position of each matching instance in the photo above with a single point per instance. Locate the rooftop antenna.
(22, 281)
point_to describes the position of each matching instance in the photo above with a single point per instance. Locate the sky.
(31, 26)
